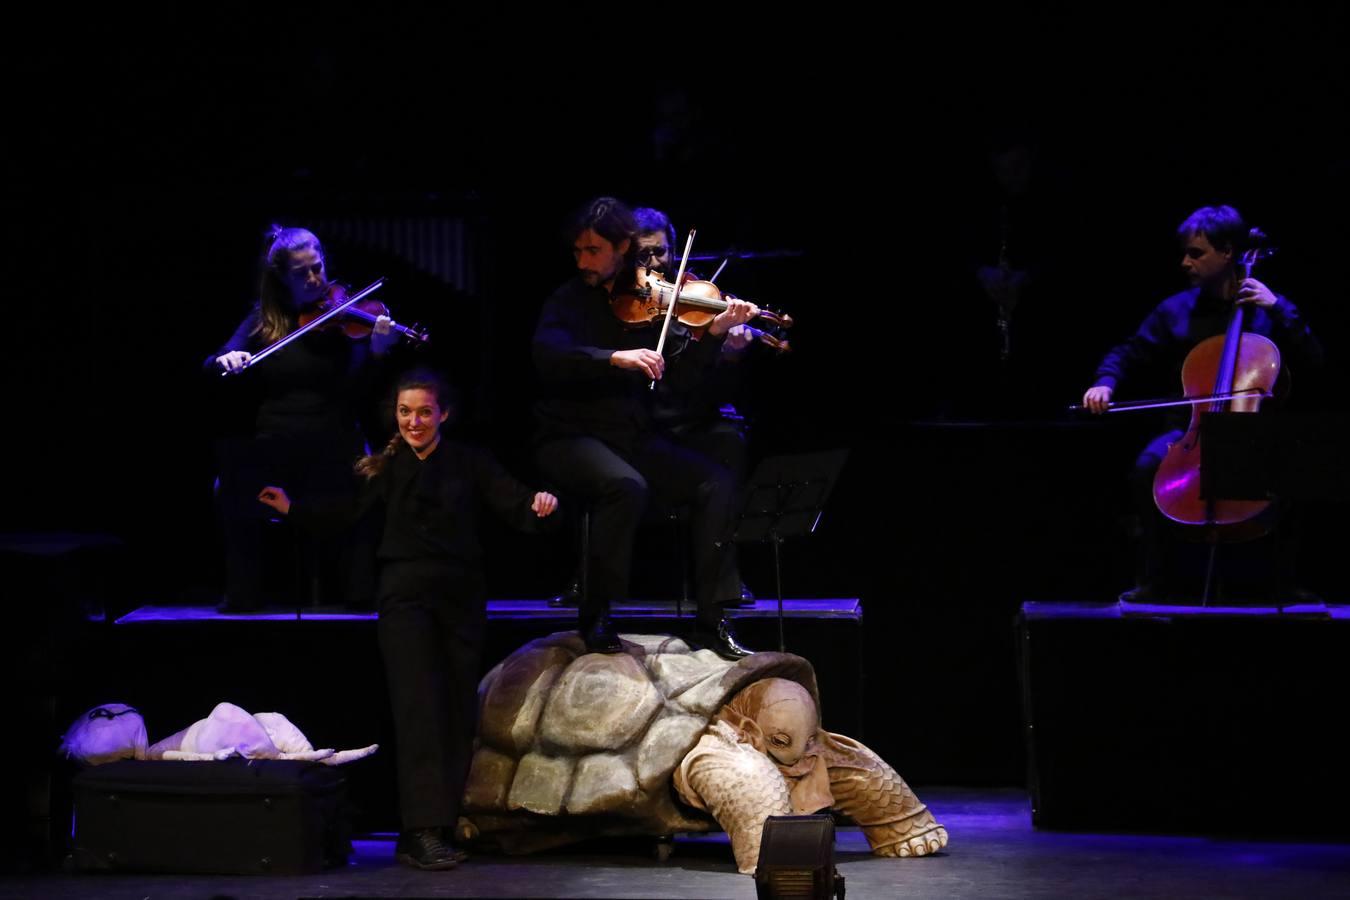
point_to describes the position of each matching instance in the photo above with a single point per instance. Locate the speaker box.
(1191, 723)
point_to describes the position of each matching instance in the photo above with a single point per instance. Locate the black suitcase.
(237, 816)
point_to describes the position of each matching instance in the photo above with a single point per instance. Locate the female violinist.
(304, 403)
(1213, 240)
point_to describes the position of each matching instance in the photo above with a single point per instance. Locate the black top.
(689, 401)
(582, 392)
(1183, 320)
(430, 509)
(310, 387)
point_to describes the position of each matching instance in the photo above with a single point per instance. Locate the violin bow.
(670, 311)
(713, 279)
(1135, 405)
(311, 325)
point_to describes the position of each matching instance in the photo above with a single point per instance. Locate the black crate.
(244, 817)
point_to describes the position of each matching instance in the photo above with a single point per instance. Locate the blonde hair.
(276, 319)
(370, 466)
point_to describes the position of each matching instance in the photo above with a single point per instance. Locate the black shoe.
(600, 636)
(571, 595)
(447, 838)
(1303, 597)
(1142, 594)
(424, 849)
(232, 607)
(745, 601)
(721, 641)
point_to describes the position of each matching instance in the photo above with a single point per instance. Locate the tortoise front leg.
(738, 785)
(871, 793)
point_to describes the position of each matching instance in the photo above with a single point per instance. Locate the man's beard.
(595, 279)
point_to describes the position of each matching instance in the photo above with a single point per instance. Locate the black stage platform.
(1155, 718)
(994, 852)
(512, 610)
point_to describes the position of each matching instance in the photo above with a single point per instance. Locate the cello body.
(1234, 361)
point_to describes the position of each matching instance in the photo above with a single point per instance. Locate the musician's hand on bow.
(648, 362)
(544, 504)
(234, 360)
(276, 498)
(1256, 293)
(1098, 398)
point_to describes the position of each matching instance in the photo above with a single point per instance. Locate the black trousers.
(722, 440)
(1154, 566)
(431, 632)
(616, 487)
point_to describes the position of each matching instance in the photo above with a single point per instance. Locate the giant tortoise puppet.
(662, 739)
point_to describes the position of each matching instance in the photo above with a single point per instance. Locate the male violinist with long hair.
(596, 440)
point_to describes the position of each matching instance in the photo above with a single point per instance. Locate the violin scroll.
(357, 319)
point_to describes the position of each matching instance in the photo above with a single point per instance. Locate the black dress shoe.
(600, 636)
(1299, 596)
(571, 595)
(424, 849)
(239, 607)
(745, 601)
(721, 641)
(447, 838)
(1144, 593)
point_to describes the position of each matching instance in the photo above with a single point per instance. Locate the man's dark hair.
(650, 220)
(1222, 226)
(607, 217)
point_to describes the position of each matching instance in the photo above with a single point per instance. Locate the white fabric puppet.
(117, 731)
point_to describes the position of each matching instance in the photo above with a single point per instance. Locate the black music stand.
(785, 498)
(1294, 456)
(1274, 456)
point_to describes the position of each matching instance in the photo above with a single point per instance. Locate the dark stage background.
(140, 174)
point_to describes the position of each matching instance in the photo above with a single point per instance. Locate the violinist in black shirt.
(304, 408)
(597, 441)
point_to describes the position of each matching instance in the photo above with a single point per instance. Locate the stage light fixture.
(796, 859)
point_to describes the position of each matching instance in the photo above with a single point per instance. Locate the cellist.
(1213, 239)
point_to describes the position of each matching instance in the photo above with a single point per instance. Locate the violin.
(357, 319)
(353, 306)
(698, 303)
